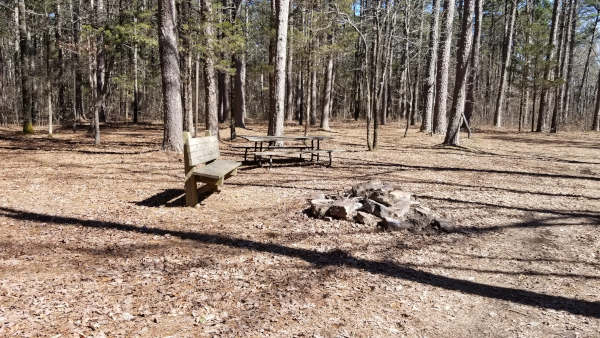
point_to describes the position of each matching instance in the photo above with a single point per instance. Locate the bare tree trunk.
(289, 80)
(429, 86)
(25, 52)
(313, 93)
(99, 114)
(569, 80)
(462, 71)
(578, 101)
(506, 58)
(439, 115)
(136, 91)
(559, 70)
(327, 93)
(282, 8)
(596, 122)
(49, 80)
(197, 92)
(60, 60)
(551, 51)
(78, 78)
(171, 78)
(473, 80)
(185, 61)
(212, 118)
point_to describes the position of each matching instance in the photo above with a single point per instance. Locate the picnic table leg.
(246, 155)
(330, 158)
(318, 148)
(255, 149)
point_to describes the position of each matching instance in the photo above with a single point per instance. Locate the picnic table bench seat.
(202, 163)
(269, 154)
(254, 149)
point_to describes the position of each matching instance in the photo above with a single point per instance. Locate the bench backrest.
(199, 150)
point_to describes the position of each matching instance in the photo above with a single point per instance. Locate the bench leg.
(246, 155)
(191, 192)
(330, 158)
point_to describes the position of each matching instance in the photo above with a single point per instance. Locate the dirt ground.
(96, 241)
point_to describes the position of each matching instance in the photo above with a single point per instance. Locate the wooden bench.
(202, 164)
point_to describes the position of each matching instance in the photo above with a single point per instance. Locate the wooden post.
(191, 185)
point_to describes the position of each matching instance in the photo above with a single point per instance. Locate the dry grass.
(95, 240)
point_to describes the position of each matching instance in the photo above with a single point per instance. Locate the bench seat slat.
(217, 169)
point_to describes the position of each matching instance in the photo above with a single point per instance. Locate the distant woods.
(439, 65)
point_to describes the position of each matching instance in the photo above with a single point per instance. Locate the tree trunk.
(559, 68)
(596, 122)
(578, 101)
(171, 79)
(551, 51)
(506, 58)
(327, 94)
(429, 86)
(99, 112)
(25, 52)
(78, 78)
(462, 71)
(278, 117)
(313, 92)
(289, 81)
(570, 62)
(212, 118)
(439, 116)
(472, 82)
(60, 60)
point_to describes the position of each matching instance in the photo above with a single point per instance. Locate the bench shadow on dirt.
(338, 258)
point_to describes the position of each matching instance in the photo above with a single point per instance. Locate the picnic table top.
(285, 138)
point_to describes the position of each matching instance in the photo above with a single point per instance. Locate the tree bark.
(439, 116)
(462, 70)
(472, 82)
(171, 78)
(506, 58)
(429, 86)
(78, 77)
(289, 80)
(596, 122)
(212, 118)
(278, 117)
(327, 94)
(25, 51)
(551, 51)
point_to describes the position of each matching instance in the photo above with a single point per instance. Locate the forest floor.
(96, 240)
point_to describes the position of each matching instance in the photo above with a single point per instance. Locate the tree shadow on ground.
(554, 142)
(374, 164)
(338, 258)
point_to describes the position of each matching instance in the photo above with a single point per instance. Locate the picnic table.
(266, 147)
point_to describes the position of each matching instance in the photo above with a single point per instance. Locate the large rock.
(398, 211)
(344, 208)
(390, 198)
(367, 219)
(319, 207)
(363, 189)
